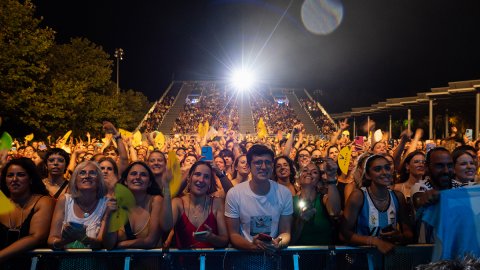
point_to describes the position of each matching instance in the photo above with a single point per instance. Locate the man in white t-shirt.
(259, 209)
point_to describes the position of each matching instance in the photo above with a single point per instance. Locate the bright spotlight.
(243, 80)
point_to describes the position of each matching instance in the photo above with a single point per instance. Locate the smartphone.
(469, 134)
(264, 237)
(359, 141)
(429, 146)
(388, 229)
(207, 153)
(200, 233)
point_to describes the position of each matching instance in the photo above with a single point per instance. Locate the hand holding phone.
(200, 233)
(207, 153)
(264, 237)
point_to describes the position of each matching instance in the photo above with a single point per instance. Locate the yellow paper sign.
(125, 133)
(173, 165)
(201, 131)
(29, 137)
(137, 139)
(6, 206)
(344, 158)
(261, 129)
(159, 140)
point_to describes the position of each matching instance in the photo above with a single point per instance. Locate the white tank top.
(92, 222)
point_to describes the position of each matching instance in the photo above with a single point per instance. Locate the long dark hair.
(404, 174)
(153, 189)
(291, 177)
(36, 184)
(213, 186)
(368, 163)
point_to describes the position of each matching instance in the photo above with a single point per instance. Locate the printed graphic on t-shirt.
(260, 224)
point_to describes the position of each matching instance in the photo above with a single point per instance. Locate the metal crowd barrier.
(295, 257)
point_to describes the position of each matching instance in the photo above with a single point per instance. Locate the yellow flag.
(125, 133)
(137, 139)
(6, 206)
(200, 130)
(65, 137)
(174, 166)
(344, 158)
(159, 140)
(261, 129)
(29, 137)
(206, 127)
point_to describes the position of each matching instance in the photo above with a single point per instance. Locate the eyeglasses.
(379, 168)
(303, 156)
(258, 163)
(84, 173)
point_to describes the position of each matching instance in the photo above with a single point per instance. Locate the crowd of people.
(220, 109)
(253, 194)
(155, 117)
(327, 127)
(277, 116)
(214, 106)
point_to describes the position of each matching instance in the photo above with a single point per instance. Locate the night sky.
(381, 48)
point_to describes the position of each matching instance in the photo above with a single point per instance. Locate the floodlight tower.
(119, 55)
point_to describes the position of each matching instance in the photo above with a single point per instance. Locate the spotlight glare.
(243, 80)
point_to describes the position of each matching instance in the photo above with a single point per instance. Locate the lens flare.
(243, 79)
(322, 17)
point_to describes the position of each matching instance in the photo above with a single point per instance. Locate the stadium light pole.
(119, 55)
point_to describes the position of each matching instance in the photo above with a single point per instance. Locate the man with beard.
(439, 169)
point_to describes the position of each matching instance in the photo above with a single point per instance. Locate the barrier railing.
(295, 257)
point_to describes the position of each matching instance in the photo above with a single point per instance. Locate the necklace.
(195, 214)
(376, 198)
(87, 211)
(51, 183)
(12, 227)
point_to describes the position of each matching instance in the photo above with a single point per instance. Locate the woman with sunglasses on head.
(198, 218)
(56, 160)
(27, 226)
(375, 215)
(412, 171)
(315, 205)
(79, 216)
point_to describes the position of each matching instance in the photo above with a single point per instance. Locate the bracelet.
(53, 244)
